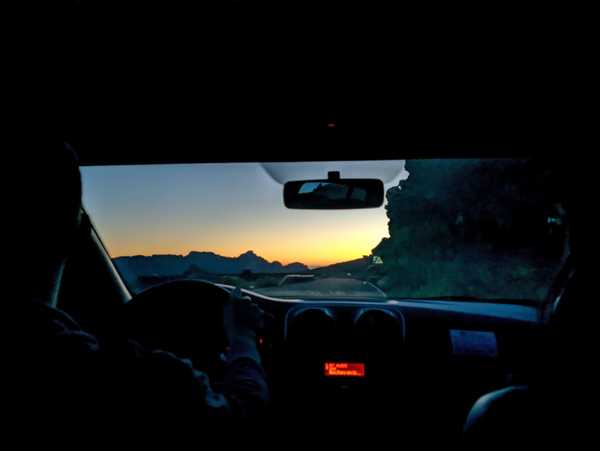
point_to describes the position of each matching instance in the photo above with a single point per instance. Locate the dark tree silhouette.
(485, 228)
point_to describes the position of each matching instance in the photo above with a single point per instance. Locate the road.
(337, 287)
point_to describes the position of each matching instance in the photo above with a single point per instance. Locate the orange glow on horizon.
(320, 248)
(310, 260)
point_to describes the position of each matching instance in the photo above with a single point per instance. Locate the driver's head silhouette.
(47, 206)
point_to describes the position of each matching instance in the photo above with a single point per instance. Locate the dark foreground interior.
(449, 369)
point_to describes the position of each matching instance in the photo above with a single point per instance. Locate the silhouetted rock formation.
(199, 263)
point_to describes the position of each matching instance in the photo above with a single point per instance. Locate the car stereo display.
(344, 369)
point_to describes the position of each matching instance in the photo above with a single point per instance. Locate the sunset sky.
(224, 208)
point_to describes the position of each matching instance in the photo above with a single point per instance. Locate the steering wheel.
(184, 317)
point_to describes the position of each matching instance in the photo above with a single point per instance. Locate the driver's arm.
(242, 320)
(245, 384)
(57, 363)
(175, 386)
(244, 392)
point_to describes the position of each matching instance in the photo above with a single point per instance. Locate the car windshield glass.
(485, 229)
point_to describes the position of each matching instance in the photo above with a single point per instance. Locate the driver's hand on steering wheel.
(243, 319)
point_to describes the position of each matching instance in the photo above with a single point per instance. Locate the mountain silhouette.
(200, 262)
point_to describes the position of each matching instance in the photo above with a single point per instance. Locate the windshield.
(485, 229)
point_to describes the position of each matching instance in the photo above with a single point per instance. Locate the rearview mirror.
(333, 193)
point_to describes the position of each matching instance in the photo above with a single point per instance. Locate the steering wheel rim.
(184, 317)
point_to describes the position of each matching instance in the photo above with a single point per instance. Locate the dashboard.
(425, 361)
(428, 359)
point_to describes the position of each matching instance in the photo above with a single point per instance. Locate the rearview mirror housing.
(333, 193)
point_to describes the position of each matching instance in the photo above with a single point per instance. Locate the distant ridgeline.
(483, 228)
(197, 264)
